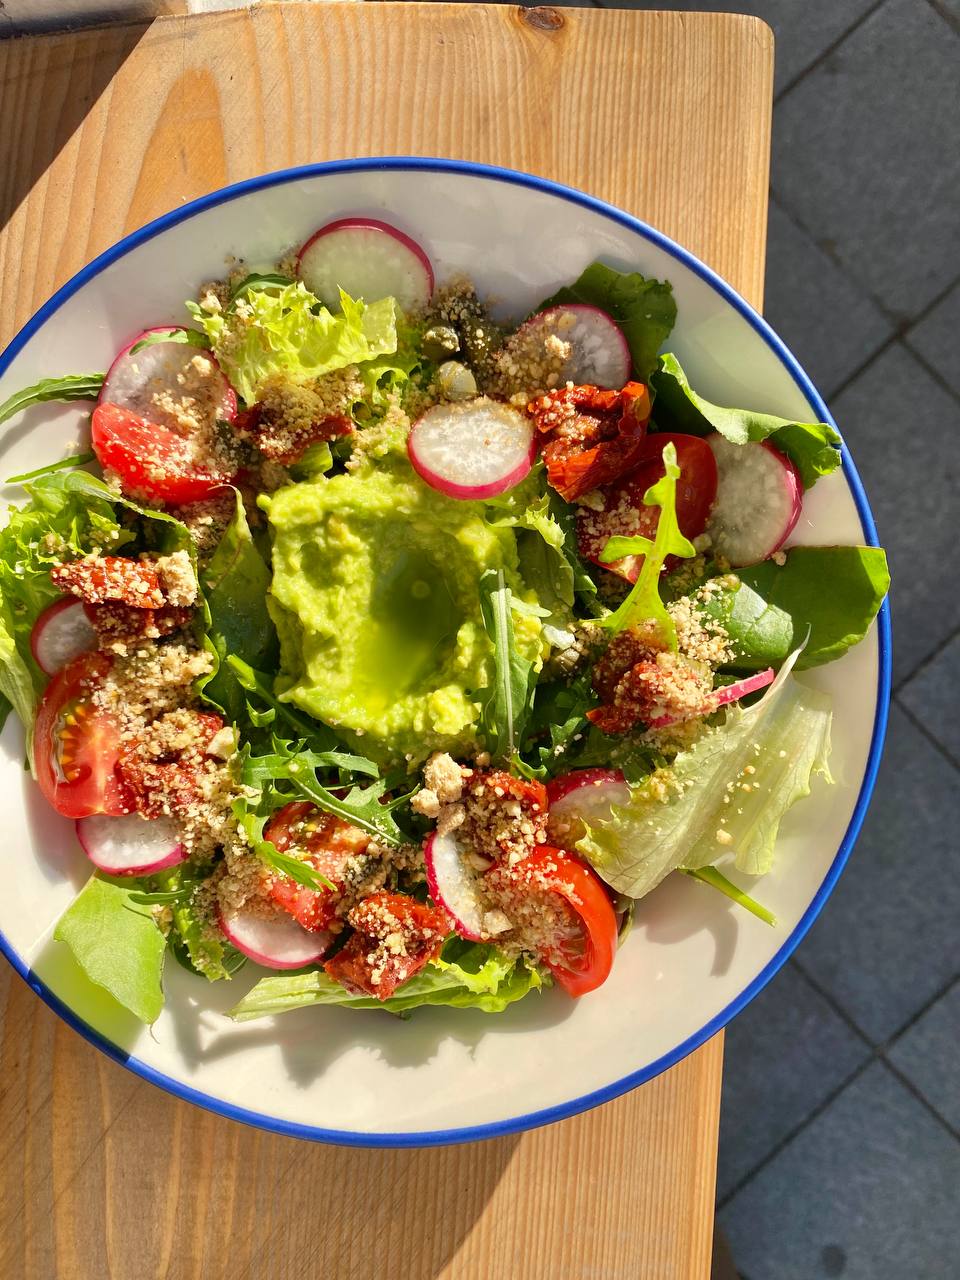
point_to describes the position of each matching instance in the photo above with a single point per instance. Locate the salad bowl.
(692, 960)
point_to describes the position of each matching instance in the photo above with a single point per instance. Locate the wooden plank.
(664, 114)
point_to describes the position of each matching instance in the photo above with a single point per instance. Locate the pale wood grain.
(664, 114)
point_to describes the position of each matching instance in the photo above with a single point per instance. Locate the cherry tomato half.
(329, 843)
(150, 459)
(76, 745)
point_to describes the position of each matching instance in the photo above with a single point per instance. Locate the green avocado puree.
(376, 600)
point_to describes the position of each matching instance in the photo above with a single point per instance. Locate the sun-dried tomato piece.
(395, 936)
(591, 436)
(122, 623)
(100, 579)
(640, 686)
(504, 817)
(164, 768)
(284, 444)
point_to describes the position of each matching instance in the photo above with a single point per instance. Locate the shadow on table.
(77, 76)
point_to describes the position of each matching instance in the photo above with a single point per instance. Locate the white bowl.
(692, 960)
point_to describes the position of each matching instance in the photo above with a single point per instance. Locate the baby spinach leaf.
(235, 583)
(644, 309)
(73, 386)
(811, 446)
(833, 591)
(117, 944)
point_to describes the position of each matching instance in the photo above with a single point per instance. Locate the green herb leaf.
(190, 337)
(73, 386)
(644, 309)
(260, 280)
(643, 604)
(65, 464)
(117, 944)
(507, 702)
(811, 446)
(832, 592)
(716, 880)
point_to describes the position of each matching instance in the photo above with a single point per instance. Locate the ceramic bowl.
(693, 960)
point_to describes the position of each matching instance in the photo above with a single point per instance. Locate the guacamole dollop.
(376, 599)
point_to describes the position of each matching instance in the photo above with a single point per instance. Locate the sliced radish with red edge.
(130, 845)
(276, 942)
(472, 449)
(136, 376)
(582, 798)
(454, 886)
(367, 259)
(725, 694)
(599, 355)
(758, 501)
(61, 633)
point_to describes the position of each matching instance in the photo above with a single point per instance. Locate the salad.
(399, 649)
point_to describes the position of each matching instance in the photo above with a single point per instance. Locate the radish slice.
(472, 449)
(758, 501)
(367, 259)
(725, 694)
(130, 845)
(600, 354)
(454, 886)
(61, 633)
(276, 942)
(582, 798)
(135, 378)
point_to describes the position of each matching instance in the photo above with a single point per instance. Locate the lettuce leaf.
(829, 594)
(673, 818)
(465, 976)
(235, 583)
(193, 944)
(643, 605)
(644, 309)
(811, 446)
(118, 945)
(284, 329)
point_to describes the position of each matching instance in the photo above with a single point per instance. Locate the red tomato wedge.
(76, 745)
(150, 459)
(582, 959)
(329, 843)
(624, 513)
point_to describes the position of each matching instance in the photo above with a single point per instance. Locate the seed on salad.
(456, 381)
(440, 343)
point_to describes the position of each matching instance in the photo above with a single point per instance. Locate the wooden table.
(667, 115)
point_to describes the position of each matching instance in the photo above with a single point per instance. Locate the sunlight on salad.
(399, 650)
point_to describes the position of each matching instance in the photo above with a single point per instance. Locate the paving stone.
(927, 1054)
(933, 696)
(866, 156)
(887, 940)
(902, 427)
(867, 1192)
(783, 1055)
(831, 326)
(937, 337)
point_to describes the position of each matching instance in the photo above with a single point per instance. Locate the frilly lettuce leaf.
(811, 446)
(643, 605)
(739, 778)
(284, 329)
(465, 976)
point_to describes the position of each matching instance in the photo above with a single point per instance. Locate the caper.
(440, 342)
(456, 381)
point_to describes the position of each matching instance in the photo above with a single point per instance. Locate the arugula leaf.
(319, 736)
(235, 584)
(507, 702)
(466, 975)
(202, 951)
(832, 592)
(260, 280)
(65, 464)
(644, 309)
(811, 446)
(189, 337)
(672, 820)
(117, 944)
(716, 880)
(643, 604)
(73, 386)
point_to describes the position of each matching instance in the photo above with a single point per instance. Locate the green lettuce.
(643, 605)
(828, 594)
(284, 329)
(739, 778)
(193, 943)
(644, 309)
(118, 944)
(813, 447)
(465, 976)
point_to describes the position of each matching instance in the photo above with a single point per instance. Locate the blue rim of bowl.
(573, 1107)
